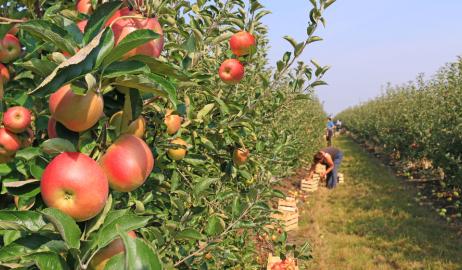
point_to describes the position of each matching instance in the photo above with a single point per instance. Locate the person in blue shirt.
(329, 131)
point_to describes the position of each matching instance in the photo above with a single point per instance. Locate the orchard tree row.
(419, 124)
(148, 134)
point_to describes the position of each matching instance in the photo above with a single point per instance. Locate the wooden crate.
(320, 168)
(341, 178)
(275, 259)
(289, 204)
(310, 184)
(288, 213)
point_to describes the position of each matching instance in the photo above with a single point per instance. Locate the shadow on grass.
(378, 207)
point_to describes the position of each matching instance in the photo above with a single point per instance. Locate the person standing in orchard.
(329, 131)
(331, 157)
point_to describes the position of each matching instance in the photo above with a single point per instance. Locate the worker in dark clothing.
(331, 157)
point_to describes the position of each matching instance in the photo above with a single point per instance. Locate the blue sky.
(370, 42)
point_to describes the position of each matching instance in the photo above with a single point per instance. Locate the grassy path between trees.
(372, 222)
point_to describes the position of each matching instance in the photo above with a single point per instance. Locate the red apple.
(173, 123)
(105, 254)
(240, 156)
(76, 112)
(9, 48)
(81, 25)
(84, 6)
(118, 13)
(123, 27)
(231, 71)
(16, 119)
(51, 129)
(127, 163)
(242, 43)
(9, 142)
(75, 184)
(4, 73)
(177, 153)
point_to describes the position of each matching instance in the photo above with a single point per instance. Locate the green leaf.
(98, 221)
(56, 146)
(21, 220)
(5, 169)
(116, 262)
(161, 67)
(314, 39)
(190, 44)
(237, 207)
(291, 40)
(23, 187)
(126, 222)
(318, 83)
(215, 226)
(189, 234)
(65, 225)
(49, 260)
(203, 185)
(38, 66)
(205, 110)
(50, 33)
(75, 67)
(139, 255)
(99, 17)
(118, 69)
(131, 41)
(150, 83)
(28, 153)
(32, 244)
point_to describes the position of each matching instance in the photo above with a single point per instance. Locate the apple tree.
(158, 132)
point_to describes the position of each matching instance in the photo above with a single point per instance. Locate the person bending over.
(331, 157)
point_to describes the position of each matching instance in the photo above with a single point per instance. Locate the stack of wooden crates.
(289, 213)
(311, 184)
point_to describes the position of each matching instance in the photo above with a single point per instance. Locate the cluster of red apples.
(127, 163)
(15, 133)
(232, 70)
(10, 49)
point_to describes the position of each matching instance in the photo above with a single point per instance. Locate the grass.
(373, 222)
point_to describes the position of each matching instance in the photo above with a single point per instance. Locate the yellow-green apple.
(9, 48)
(84, 6)
(136, 127)
(4, 73)
(177, 152)
(242, 43)
(240, 156)
(173, 122)
(75, 184)
(51, 129)
(105, 254)
(127, 163)
(16, 119)
(76, 112)
(81, 25)
(9, 142)
(123, 27)
(231, 71)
